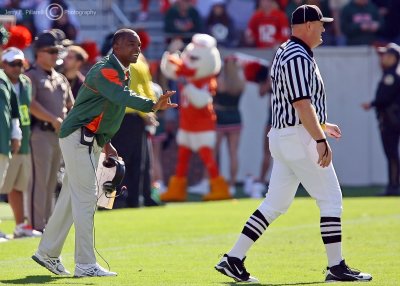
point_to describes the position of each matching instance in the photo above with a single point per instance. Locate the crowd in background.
(265, 23)
(234, 23)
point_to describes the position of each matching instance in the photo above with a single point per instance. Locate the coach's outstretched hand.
(164, 102)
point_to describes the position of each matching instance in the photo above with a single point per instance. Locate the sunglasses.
(51, 51)
(16, 64)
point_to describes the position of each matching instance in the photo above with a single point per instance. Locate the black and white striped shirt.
(295, 76)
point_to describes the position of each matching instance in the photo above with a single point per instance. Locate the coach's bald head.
(126, 46)
(122, 34)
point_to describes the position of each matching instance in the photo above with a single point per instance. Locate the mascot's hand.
(173, 67)
(169, 65)
(176, 45)
(197, 97)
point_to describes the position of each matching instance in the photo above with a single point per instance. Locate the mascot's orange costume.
(198, 64)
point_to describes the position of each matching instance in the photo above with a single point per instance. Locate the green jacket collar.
(112, 59)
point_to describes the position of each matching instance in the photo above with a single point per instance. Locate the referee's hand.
(324, 154)
(332, 130)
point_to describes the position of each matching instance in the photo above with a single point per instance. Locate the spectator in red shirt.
(268, 27)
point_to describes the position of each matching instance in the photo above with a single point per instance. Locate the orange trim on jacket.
(111, 75)
(95, 123)
(92, 89)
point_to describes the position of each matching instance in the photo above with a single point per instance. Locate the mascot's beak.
(185, 71)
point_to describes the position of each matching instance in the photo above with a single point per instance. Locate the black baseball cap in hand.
(308, 13)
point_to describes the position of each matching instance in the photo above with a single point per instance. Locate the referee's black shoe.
(234, 267)
(342, 272)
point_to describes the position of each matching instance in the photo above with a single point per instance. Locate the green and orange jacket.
(101, 101)
(12, 107)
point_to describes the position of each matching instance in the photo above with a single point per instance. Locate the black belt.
(45, 126)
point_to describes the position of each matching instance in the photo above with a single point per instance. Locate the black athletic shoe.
(234, 268)
(342, 272)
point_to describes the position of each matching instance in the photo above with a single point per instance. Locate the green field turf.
(179, 244)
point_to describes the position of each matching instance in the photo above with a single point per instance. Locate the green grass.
(180, 243)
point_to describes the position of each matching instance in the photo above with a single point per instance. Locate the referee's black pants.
(390, 137)
(132, 145)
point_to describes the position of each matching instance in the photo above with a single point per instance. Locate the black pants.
(390, 140)
(132, 145)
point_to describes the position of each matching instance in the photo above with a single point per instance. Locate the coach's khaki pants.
(76, 203)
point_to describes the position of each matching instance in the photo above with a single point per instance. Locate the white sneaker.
(248, 184)
(53, 264)
(3, 237)
(24, 230)
(232, 190)
(90, 270)
(201, 188)
(234, 267)
(257, 190)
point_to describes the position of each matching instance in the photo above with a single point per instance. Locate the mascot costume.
(198, 65)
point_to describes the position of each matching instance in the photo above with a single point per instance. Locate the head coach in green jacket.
(97, 113)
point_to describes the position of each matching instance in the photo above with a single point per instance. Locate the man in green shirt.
(10, 132)
(19, 169)
(98, 111)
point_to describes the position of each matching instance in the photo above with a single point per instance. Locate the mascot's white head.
(202, 56)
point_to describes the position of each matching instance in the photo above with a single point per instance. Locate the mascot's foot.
(219, 190)
(176, 191)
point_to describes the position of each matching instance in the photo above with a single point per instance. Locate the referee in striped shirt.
(300, 150)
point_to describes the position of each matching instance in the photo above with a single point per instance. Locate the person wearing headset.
(88, 128)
